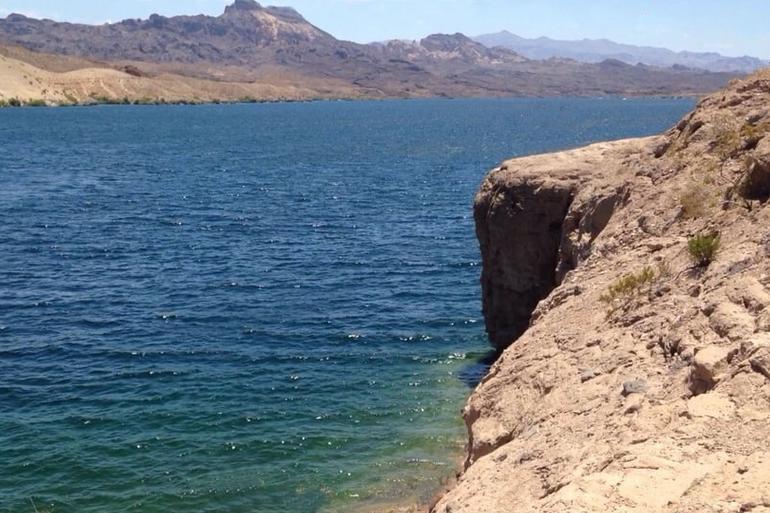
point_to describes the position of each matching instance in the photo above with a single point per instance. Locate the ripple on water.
(250, 308)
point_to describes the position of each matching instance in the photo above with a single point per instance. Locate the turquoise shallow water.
(251, 308)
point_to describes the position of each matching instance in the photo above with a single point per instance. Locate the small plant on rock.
(703, 249)
(628, 285)
(626, 288)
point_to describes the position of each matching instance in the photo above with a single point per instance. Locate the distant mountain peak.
(446, 41)
(250, 9)
(14, 16)
(243, 5)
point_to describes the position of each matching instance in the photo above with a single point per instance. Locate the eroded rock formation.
(633, 380)
(535, 222)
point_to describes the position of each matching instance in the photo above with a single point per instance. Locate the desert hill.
(77, 81)
(277, 47)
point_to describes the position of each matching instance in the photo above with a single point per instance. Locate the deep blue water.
(251, 308)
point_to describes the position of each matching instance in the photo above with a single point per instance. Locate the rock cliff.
(627, 285)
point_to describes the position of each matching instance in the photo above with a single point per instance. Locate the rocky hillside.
(239, 36)
(253, 43)
(627, 285)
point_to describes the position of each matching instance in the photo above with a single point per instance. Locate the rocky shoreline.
(627, 286)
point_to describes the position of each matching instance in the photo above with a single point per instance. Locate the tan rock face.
(709, 367)
(655, 398)
(534, 226)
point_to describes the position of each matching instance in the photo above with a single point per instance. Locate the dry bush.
(695, 200)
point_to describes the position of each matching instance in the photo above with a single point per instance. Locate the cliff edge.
(627, 286)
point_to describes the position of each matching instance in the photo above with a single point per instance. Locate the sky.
(730, 27)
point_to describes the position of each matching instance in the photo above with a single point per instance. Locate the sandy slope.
(90, 81)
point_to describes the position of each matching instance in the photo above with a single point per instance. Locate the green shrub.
(14, 102)
(36, 103)
(107, 100)
(703, 249)
(629, 285)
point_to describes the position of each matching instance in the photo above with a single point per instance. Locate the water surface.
(251, 308)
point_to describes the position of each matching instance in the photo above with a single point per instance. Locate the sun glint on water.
(254, 308)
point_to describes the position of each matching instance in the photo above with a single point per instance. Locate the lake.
(252, 308)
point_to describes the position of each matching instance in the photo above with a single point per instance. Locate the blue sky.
(734, 27)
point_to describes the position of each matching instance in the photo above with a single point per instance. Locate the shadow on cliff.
(477, 367)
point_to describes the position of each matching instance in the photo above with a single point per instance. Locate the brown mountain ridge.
(277, 47)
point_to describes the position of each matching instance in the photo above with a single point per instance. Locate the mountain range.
(277, 49)
(598, 50)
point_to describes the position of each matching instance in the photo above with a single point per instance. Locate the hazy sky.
(731, 27)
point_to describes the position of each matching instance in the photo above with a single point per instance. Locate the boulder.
(707, 367)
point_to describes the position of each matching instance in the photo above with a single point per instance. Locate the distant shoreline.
(15, 103)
